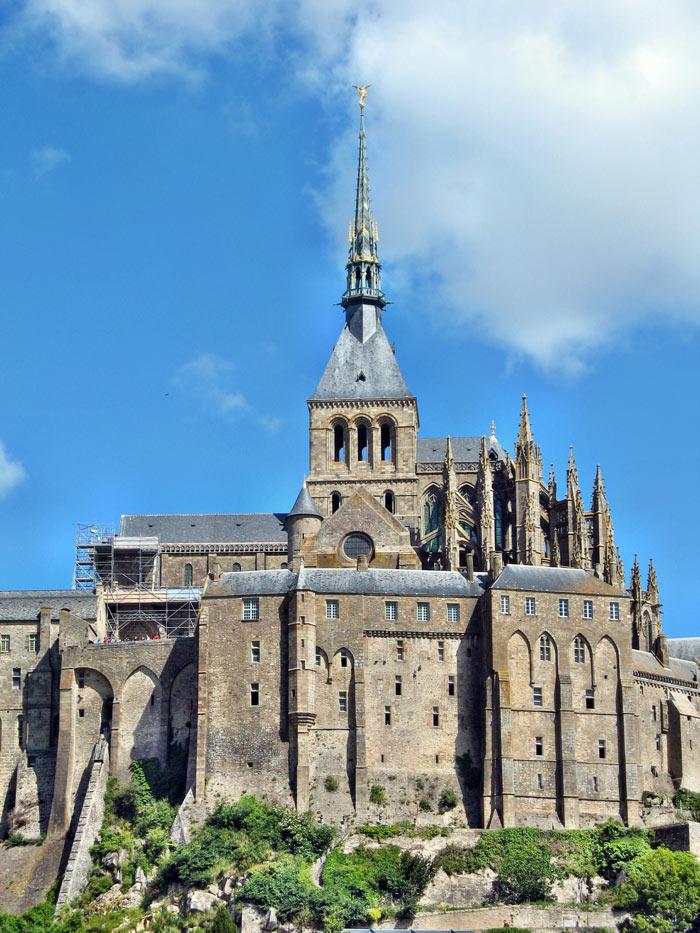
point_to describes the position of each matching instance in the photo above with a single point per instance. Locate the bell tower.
(363, 420)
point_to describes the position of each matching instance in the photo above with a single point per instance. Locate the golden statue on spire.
(362, 91)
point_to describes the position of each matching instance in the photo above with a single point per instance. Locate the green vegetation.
(377, 794)
(19, 839)
(687, 800)
(331, 783)
(448, 799)
(663, 890)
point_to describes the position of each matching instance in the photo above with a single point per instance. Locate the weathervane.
(362, 91)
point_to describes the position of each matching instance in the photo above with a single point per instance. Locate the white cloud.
(535, 164)
(43, 160)
(11, 472)
(208, 375)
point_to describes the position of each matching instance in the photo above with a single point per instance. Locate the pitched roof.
(25, 605)
(196, 529)
(359, 370)
(433, 449)
(686, 648)
(347, 581)
(553, 580)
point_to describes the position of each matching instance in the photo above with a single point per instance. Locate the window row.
(365, 441)
(388, 714)
(537, 698)
(391, 611)
(6, 642)
(255, 656)
(539, 747)
(579, 646)
(564, 607)
(540, 783)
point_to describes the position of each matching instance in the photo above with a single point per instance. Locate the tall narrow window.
(20, 731)
(505, 605)
(423, 612)
(255, 652)
(332, 608)
(579, 651)
(385, 441)
(436, 715)
(653, 714)
(540, 783)
(343, 659)
(397, 685)
(335, 502)
(389, 501)
(498, 523)
(4, 644)
(81, 679)
(188, 574)
(391, 610)
(34, 642)
(318, 657)
(588, 609)
(601, 748)
(362, 446)
(16, 677)
(563, 608)
(658, 743)
(590, 699)
(343, 701)
(529, 605)
(431, 521)
(255, 694)
(450, 686)
(453, 612)
(441, 651)
(537, 696)
(614, 612)
(339, 443)
(387, 715)
(545, 648)
(595, 784)
(399, 650)
(539, 746)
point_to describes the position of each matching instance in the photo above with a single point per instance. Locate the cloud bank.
(43, 160)
(208, 376)
(534, 164)
(11, 472)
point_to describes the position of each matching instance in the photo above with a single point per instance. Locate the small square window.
(436, 715)
(450, 686)
(397, 685)
(505, 605)
(255, 694)
(590, 699)
(4, 644)
(423, 612)
(391, 611)
(563, 608)
(343, 701)
(539, 745)
(529, 605)
(453, 612)
(81, 713)
(537, 696)
(588, 609)
(601, 748)
(255, 652)
(332, 609)
(16, 677)
(614, 612)
(34, 642)
(399, 650)
(441, 650)
(251, 608)
(387, 715)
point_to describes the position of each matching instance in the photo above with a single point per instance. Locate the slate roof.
(350, 360)
(304, 504)
(553, 580)
(347, 581)
(197, 529)
(25, 605)
(431, 449)
(687, 648)
(678, 668)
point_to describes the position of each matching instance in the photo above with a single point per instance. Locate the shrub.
(663, 889)
(686, 800)
(377, 794)
(649, 798)
(448, 799)
(331, 783)
(617, 846)
(425, 804)
(223, 922)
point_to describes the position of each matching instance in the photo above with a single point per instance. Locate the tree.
(223, 922)
(663, 890)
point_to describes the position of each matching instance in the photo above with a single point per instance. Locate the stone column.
(566, 753)
(62, 806)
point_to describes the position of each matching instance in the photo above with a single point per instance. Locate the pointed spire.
(552, 485)
(304, 505)
(652, 584)
(363, 268)
(525, 433)
(449, 459)
(571, 475)
(599, 498)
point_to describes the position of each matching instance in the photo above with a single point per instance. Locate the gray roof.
(348, 581)
(25, 605)
(553, 580)
(304, 504)
(432, 449)
(196, 529)
(359, 370)
(687, 648)
(678, 668)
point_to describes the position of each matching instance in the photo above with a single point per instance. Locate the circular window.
(357, 544)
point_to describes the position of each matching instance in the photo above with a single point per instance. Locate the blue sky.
(175, 185)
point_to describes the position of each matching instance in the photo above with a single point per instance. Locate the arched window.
(469, 529)
(335, 502)
(362, 442)
(498, 523)
(188, 574)
(385, 441)
(389, 501)
(545, 648)
(579, 650)
(339, 443)
(236, 567)
(368, 279)
(431, 520)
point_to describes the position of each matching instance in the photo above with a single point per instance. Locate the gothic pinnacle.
(525, 433)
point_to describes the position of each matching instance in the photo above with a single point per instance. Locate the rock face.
(201, 902)
(460, 890)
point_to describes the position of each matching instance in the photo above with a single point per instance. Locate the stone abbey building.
(430, 613)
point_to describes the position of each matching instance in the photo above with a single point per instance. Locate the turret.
(303, 519)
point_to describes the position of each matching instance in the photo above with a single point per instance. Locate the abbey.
(432, 619)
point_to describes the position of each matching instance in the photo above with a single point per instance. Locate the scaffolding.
(125, 572)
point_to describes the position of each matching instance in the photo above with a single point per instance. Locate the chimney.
(495, 565)
(470, 567)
